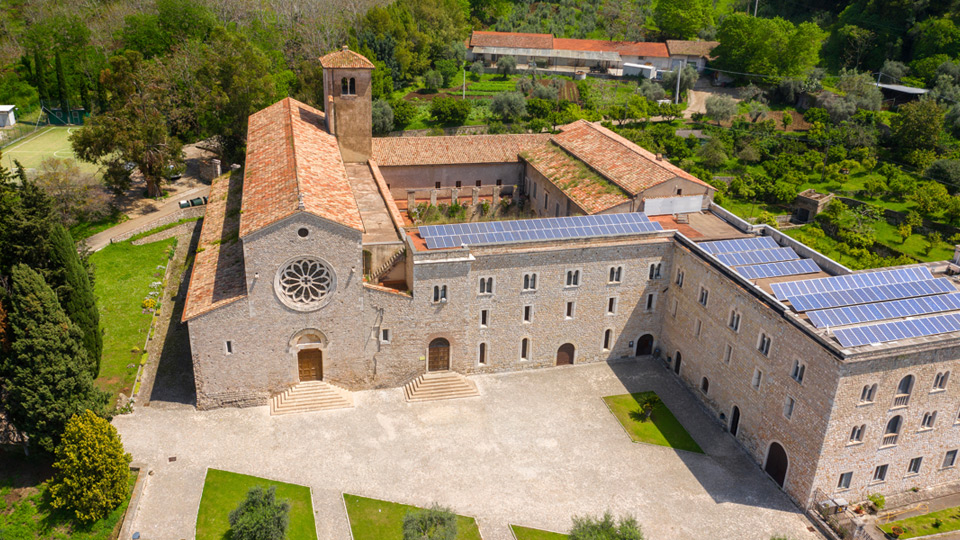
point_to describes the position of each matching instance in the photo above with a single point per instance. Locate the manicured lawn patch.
(123, 273)
(223, 491)
(373, 519)
(24, 512)
(526, 533)
(86, 229)
(662, 428)
(949, 519)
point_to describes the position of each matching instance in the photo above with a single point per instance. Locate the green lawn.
(86, 229)
(373, 519)
(123, 273)
(923, 525)
(46, 142)
(526, 533)
(25, 514)
(662, 428)
(223, 491)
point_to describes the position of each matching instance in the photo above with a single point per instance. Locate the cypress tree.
(62, 89)
(72, 284)
(44, 373)
(38, 81)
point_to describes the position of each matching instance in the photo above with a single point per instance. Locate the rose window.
(304, 283)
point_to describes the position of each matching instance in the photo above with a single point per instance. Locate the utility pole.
(676, 95)
(879, 73)
(464, 81)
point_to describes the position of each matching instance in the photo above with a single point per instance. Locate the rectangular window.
(459, 183)
(384, 335)
(611, 306)
(757, 379)
(651, 301)
(530, 282)
(763, 344)
(676, 305)
(697, 328)
(914, 466)
(798, 371)
(525, 349)
(615, 274)
(569, 312)
(607, 338)
(728, 354)
(704, 297)
(845, 479)
(229, 345)
(484, 316)
(573, 278)
(734, 322)
(680, 278)
(880, 473)
(546, 199)
(482, 354)
(436, 185)
(486, 285)
(950, 459)
(788, 406)
(499, 182)
(478, 183)
(527, 314)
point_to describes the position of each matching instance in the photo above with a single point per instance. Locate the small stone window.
(615, 274)
(385, 335)
(525, 349)
(530, 281)
(788, 407)
(229, 347)
(573, 278)
(655, 270)
(697, 328)
(527, 314)
(348, 87)
(704, 297)
(763, 344)
(856, 434)
(928, 420)
(484, 317)
(757, 379)
(880, 473)
(705, 385)
(727, 353)
(303, 232)
(439, 294)
(482, 354)
(679, 280)
(459, 184)
(950, 459)
(940, 381)
(799, 369)
(914, 466)
(607, 338)
(734, 322)
(868, 393)
(570, 310)
(652, 302)
(845, 479)
(612, 305)
(486, 285)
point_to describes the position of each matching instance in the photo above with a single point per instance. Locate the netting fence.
(51, 113)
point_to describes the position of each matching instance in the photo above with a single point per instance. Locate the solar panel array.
(897, 330)
(909, 307)
(758, 257)
(866, 295)
(741, 244)
(778, 269)
(531, 230)
(850, 281)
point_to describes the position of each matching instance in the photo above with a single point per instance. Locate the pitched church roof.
(453, 150)
(346, 59)
(294, 164)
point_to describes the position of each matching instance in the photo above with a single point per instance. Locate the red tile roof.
(592, 192)
(345, 58)
(701, 49)
(218, 272)
(481, 38)
(624, 163)
(628, 48)
(453, 150)
(293, 164)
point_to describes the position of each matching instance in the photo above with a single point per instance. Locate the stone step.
(439, 385)
(310, 396)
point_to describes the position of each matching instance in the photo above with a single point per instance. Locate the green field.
(526, 533)
(662, 428)
(223, 491)
(47, 142)
(123, 273)
(933, 523)
(373, 519)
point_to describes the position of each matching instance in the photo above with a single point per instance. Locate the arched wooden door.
(310, 364)
(777, 462)
(565, 354)
(735, 421)
(645, 345)
(676, 364)
(439, 355)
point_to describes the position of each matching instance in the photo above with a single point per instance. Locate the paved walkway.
(536, 448)
(148, 215)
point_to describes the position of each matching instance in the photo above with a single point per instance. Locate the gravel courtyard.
(536, 448)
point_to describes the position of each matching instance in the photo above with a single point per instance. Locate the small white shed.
(645, 70)
(7, 118)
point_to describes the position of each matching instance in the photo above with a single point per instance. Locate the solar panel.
(850, 281)
(896, 330)
(740, 244)
(530, 230)
(777, 269)
(884, 310)
(758, 257)
(868, 295)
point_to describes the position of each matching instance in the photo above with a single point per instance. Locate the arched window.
(903, 392)
(940, 381)
(868, 393)
(344, 86)
(525, 349)
(606, 339)
(856, 435)
(353, 86)
(482, 358)
(705, 385)
(654, 271)
(893, 430)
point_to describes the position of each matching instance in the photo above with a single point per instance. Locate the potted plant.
(896, 531)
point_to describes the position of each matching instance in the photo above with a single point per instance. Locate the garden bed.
(942, 521)
(661, 428)
(373, 519)
(526, 533)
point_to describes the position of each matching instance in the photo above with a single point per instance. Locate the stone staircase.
(387, 265)
(310, 396)
(439, 385)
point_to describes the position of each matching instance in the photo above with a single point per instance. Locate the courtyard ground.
(536, 448)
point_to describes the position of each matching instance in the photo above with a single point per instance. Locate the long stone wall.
(183, 213)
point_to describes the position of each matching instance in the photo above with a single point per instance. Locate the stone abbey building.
(837, 383)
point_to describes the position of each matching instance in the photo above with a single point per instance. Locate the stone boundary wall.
(392, 209)
(182, 213)
(188, 227)
(131, 512)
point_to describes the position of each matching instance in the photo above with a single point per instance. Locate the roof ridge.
(288, 118)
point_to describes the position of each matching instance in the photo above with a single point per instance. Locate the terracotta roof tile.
(218, 272)
(519, 40)
(345, 58)
(291, 159)
(624, 163)
(592, 192)
(629, 48)
(458, 149)
(700, 49)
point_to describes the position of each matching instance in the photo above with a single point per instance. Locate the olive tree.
(721, 108)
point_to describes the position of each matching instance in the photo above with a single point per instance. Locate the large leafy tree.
(91, 468)
(919, 125)
(133, 129)
(682, 19)
(45, 369)
(756, 45)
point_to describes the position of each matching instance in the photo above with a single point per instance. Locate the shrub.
(260, 516)
(92, 468)
(149, 303)
(448, 110)
(476, 69)
(382, 117)
(509, 105)
(605, 528)
(434, 523)
(878, 500)
(549, 93)
(403, 113)
(506, 65)
(433, 80)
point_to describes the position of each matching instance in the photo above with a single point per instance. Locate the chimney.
(331, 123)
(343, 47)
(659, 156)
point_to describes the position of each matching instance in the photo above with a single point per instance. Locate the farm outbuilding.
(7, 118)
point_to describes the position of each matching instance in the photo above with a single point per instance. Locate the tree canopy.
(756, 45)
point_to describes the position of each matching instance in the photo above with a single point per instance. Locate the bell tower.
(348, 102)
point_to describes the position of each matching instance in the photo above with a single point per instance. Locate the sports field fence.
(51, 114)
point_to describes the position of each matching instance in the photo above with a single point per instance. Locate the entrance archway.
(676, 364)
(735, 421)
(777, 463)
(310, 364)
(645, 345)
(438, 355)
(565, 354)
